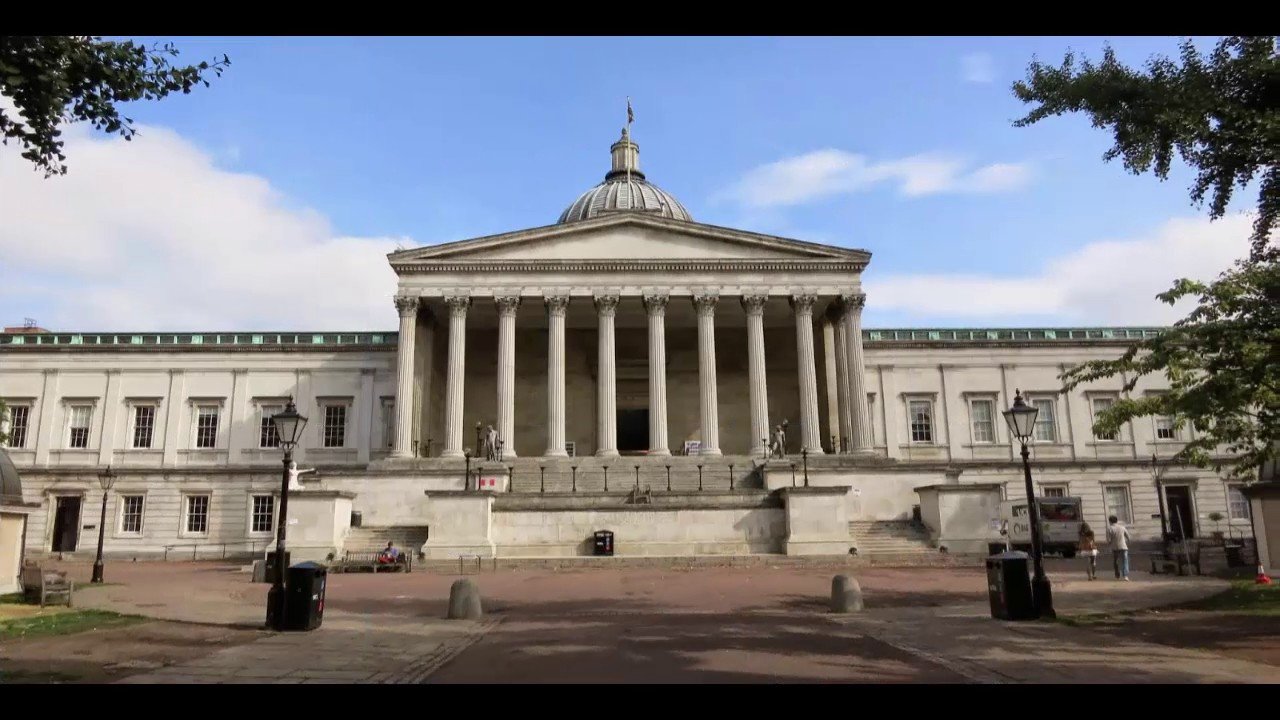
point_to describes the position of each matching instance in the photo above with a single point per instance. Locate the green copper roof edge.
(389, 338)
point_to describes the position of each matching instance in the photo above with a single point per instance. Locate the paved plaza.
(711, 624)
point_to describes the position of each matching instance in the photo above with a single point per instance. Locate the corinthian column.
(606, 380)
(842, 380)
(507, 307)
(860, 415)
(408, 309)
(655, 306)
(705, 304)
(757, 379)
(557, 305)
(810, 436)
(458, 305)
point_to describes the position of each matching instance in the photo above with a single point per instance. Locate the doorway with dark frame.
(633, 430)
(1181, 510)
(66, 524)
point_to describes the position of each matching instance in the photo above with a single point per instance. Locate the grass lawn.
(62, 621)
(1244, 598)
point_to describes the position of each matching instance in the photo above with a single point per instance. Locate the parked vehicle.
(1060, 519)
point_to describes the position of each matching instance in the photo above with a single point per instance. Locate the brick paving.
(637, 625)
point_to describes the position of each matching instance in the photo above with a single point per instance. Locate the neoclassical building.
(635, 367)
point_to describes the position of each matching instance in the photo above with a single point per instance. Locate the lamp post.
(1022, 422)
(106, 479)
(668, 478)
(804, 455)
(478, 444)
(288, 425)
(1157, 476)
(699, 477)
(730, 476)
(466, 479)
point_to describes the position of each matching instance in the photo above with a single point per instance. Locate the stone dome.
(624, 190)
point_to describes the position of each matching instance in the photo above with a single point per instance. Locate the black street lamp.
(106, 479)
(804, 455)
(466, 478)
(668, 478)
(478, 443)
(511, 482)
(288, 425)
(793, 474)
(606, 478)
(730, 476)
(699, 477)
(637, 478)
(1022, 422)
(542, 478)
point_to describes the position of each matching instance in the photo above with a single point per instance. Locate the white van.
(1060, 519)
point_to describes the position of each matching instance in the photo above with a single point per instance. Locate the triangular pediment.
(628, 236)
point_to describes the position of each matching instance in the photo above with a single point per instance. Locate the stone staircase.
(890, 537)
(406, 537)
(588, 474)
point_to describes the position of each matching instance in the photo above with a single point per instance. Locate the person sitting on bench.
(389, 555)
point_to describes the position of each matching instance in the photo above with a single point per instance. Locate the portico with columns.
(627, 328)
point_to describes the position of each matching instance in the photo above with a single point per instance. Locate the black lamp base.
(1042, 596)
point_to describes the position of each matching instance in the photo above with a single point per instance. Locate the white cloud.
(978, 68)
(151, 234)
(830, 172)
(1109, 282)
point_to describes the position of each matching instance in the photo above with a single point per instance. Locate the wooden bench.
(369, 561)
(40, 585)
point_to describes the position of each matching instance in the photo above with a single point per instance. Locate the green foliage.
(1220, 113)
(1223, 366)
(63, 623)
(54, 80)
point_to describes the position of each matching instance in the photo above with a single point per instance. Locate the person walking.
(1118, 536)
(1089, 549)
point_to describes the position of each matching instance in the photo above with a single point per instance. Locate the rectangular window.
(921, 416)
(131, 514)
(1116, 498)
(388, 422)
(197, 515)
(144, 422)
(263, 513)
(984, 430)
(1237, 503)
(1053, 491)
(1100, 405)
(267, 435)
(206, 426)
(1046, 429)
(1165, 429)
(78, 426)
(19, 418)
(335, 426)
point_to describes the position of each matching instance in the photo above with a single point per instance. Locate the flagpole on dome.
(631, 117)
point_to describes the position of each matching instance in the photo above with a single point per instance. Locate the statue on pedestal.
(490, 444)
(294, 472)
(779, 447)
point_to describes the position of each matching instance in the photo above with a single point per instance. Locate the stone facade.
(618, 338)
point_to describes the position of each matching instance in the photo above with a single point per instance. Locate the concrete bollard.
(846, 595)
(260, 571)
(464, 601)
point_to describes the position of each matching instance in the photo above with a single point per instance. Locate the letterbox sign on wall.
(489, 483)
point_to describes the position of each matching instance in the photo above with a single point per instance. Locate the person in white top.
(1118, 536)
(294, 472)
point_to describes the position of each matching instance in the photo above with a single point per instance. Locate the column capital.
(655, 302)
(556, 304)
(705, 301)
(507, 304)
(754, 303)
(802, 303)
(853, 301)
(458, 305)
(607, 304)
(406, 305)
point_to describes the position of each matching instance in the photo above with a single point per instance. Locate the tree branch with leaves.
(1221, 115)
(55, 80)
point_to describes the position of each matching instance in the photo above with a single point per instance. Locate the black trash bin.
(1234, 554)
(271, 565)
(304, 596)
(604, 542)
(1009, 586)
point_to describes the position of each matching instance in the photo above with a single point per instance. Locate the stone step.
(405, 537)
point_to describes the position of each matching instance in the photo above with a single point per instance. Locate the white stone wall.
(655, 532)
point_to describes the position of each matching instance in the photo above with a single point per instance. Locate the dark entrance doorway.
(1181, 515)
(633, 430)
(66, 524)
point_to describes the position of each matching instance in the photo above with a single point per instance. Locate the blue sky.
(902, 146)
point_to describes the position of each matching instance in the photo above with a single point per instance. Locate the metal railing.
(251, 545)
